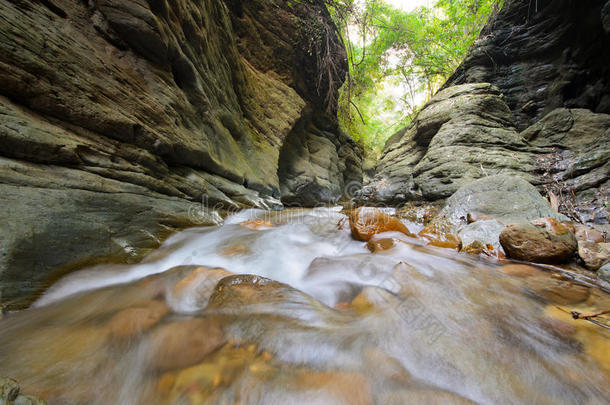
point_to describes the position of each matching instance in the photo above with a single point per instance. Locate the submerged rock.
(366, 222)
(132, 321)
(193, 290)
(184, 343)
(542, 242)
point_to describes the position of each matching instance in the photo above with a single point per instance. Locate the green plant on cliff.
(399, 59)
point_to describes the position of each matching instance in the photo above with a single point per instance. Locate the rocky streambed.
(316, 306)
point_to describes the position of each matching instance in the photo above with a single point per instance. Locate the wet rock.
(543, 242)
(594, 255)
(192, 292)
(245, 289)
(256, 224)
(133, 321)
(182, 344)
(376, 245)
(440, 233)
(474, 248)
(603, 273)
(366, 222)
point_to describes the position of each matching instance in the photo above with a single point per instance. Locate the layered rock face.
(530, 100)
(119, 116)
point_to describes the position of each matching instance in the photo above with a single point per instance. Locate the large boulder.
(543, 241)
(504, 198)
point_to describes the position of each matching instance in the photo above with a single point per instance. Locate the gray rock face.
(120, 119)
(574, 159)
(318, 167)
(464, 133)
(544, 55)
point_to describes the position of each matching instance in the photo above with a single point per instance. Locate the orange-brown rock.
(440, 233)
(376, 245)
(184, 343)
(256, 224)
(542, 241)
(366, 222)
(133, 321)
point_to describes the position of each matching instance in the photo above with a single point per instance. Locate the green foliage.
(399, 59)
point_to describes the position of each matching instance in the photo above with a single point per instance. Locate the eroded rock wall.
(118, 117)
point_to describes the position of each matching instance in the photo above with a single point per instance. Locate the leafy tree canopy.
(399, 59)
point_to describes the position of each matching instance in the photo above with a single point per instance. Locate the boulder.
(594, 255)
(505, 198)
(365, 222)
(540, 242)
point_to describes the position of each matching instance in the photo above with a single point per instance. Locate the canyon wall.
(122, 121)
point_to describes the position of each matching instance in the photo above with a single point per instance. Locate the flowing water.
(319, 320)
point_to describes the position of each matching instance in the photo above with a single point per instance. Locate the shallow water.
(341, 325)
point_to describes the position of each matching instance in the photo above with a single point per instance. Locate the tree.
(399, 59)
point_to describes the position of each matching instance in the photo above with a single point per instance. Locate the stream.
(305, 314)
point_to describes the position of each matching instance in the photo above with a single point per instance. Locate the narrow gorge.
(185, 218)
